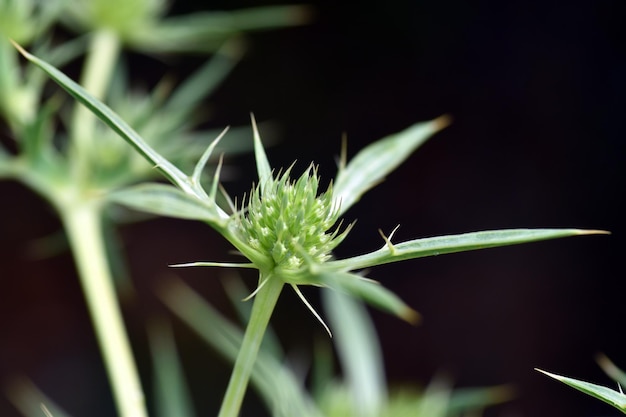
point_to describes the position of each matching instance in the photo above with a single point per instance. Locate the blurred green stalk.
(82, 223)
(82, 219)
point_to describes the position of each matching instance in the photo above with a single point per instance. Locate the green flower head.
(289, 222)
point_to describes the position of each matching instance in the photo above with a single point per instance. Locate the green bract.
(285, 231)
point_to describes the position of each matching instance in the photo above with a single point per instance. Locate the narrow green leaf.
(371, 292)
(609, 396)
(263, 17)
(370, 166)
(165, 200)
(200, 84)
(206, 31)
(113, 120)
(440, 245)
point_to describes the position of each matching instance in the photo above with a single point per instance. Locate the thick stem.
(264, 303)
(83, 227)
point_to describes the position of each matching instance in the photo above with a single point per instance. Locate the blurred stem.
(82, 223)
(100, 61)
(264, 303)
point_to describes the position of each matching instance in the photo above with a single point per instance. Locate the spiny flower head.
(289, 222)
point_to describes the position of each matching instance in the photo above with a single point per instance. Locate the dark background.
(536, 92)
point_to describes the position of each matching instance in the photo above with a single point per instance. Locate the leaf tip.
(253, 121)
(411, 316)
(183, 265)
(442, 122)
(593, 232)
(551, 375)
(20, 49)
(301, 14)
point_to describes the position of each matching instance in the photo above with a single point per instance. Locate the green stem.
(264, 303)
(82, 223)
(100, 62)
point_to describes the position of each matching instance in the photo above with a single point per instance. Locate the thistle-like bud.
(289, 222)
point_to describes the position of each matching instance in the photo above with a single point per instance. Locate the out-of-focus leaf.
(172, 395)
(435, 399)
(611, 369)
(206, 31)
(359, 352)
(205, 79)
(27, 398)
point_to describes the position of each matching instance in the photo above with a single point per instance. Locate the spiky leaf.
(615, 398)
(440, 245)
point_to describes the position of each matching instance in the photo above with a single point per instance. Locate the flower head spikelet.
(289, 222)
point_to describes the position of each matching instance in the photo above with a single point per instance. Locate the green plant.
(287, 230)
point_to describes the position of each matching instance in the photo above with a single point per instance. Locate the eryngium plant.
(286, 230)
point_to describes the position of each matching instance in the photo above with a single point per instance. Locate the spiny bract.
(289, 222)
